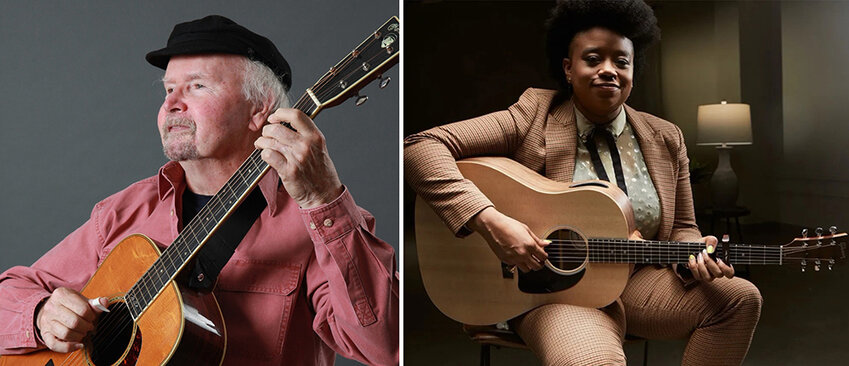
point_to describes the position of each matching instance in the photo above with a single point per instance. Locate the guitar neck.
(670, 252)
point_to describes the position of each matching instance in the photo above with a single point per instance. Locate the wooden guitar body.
(179, 326)
(466, 280)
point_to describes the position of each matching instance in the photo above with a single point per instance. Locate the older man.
(309, 278)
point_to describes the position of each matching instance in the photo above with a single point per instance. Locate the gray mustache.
(172, 121)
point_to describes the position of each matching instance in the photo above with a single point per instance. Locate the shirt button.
(328, 222)
(200, 277)
(27, 334)
(172, 212)
(312, 225)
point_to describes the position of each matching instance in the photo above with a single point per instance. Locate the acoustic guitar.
(153, 320)
(589, 259)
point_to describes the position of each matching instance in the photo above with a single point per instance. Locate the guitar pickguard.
(546, 281)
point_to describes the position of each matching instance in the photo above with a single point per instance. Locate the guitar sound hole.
(567, 251)
(114, 336)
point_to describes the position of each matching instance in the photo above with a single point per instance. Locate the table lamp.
(724, 125)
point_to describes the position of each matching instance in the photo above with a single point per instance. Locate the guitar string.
(343, 65)
(768, 252)
(759, 250)
(668, 244)
(330, 91)
(785, 260)
(345, 61)
(687, 246)
(79, 355)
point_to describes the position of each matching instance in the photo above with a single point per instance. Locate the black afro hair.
(633, 19)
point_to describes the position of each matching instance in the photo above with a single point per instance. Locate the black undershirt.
(220, 247)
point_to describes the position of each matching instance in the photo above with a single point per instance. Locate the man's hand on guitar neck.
(512, 241)
(64, 319)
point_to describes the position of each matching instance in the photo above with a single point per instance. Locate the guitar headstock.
(818, 250)
(366, 62)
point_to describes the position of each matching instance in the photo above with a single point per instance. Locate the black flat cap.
(217, 34)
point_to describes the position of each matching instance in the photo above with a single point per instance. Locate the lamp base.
(723, 183)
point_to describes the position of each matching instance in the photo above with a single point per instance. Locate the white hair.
(260, 84)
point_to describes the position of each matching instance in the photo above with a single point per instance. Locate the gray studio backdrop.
(78, 105)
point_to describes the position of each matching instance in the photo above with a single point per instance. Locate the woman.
(567, 135)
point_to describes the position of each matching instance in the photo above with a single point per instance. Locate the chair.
(499, 335)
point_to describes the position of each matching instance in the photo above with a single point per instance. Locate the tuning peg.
(804, 233)
(817, 265)
(818, 231)
(830, 264)
(804, 264)
(384, 81)
(361, 99)
(833, 230)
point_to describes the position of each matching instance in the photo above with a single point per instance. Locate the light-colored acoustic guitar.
(152, 319)
(589, 259)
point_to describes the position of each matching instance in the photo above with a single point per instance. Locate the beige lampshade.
(724, 124)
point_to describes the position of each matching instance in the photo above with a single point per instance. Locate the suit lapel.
(561, 143)
(659, 163)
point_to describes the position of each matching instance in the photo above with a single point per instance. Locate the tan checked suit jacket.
(542, 137)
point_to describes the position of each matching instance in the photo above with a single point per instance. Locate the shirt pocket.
(256, 299)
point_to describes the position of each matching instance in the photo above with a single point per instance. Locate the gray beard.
(184, 150)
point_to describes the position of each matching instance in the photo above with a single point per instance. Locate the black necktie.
(614, 155)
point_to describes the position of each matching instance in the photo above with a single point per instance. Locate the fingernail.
(719, 260)
(692, 257)
(710, 249)
(78, 346)
(547, 241)
(701, 259)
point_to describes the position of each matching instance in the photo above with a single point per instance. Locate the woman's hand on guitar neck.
(64, 319)
(704, 268)
(512, 241)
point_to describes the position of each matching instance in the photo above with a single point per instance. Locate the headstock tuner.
(384, 81)
(360, 99)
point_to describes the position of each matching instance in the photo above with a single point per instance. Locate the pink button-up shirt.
(302, 285)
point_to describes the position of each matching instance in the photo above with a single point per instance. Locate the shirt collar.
(616, 126)
(172, 178)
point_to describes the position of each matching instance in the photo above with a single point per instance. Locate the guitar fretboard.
(656, 252)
